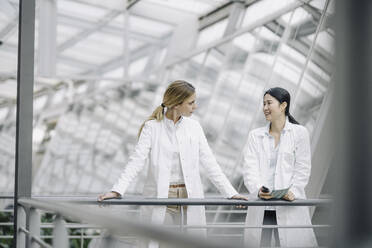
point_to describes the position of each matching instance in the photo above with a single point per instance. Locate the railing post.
(182, 220)
(21, 223)
(108, 241)
(60, 236)
(81, 238)
(34, 226)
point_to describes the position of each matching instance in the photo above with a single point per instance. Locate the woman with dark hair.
(278, 156)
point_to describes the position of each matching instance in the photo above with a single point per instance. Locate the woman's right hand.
(108, 195)
(263, 195)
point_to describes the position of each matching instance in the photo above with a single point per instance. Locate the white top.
(176, 176)
(194, 152)
(270, 174)
(293, 164)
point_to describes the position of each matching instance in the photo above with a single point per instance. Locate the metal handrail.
(6, 197)
(135, 200)
(120, 225)
(35, 238)
(66, 206)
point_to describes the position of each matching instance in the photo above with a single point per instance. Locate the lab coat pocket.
(194, 141)
(289, 158)
(194, 146)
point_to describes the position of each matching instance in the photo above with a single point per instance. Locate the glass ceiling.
(113, 61)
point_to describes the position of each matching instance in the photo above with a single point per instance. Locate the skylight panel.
(111, 4)
(3, 113)
(267, 34)
(8, 62)
(65, 32)
(287, 70)
(320, 4)
(99, 48)
(285, 49)
(116, 73)
(245, 42)
(80, 10)
(64, 69)
(324, 40)
(148, 26)
(137, 66)
(193, 6)
(294, 18)
(8, 89)
(12, 37)
(212, 33)
(262, 9)
(4, 19)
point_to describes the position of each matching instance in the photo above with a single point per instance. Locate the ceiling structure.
(101, 67)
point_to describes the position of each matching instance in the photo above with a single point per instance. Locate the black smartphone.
(264, 189)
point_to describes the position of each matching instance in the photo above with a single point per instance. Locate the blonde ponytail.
(158, 115)
(176, 93)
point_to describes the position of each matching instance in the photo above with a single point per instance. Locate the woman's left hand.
(240, 197)
(289, 196)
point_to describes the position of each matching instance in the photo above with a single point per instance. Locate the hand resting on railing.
(108, 195)
(113, 195)
(267, 195)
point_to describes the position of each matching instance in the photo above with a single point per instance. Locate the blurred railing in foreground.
(92, 220)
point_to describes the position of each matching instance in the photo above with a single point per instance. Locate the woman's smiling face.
(272, 108)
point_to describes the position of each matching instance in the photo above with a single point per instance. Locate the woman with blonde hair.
(176, 147)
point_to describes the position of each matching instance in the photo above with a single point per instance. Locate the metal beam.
(221, 12)
(126, 40)
(321, 145)
(47, 37)
(84, 24)
(102, 23)
(62, 59)
(9, 27)
(129, 4)
(215, 16)
(320, 26)
(160, 13)
(236, 17)
(248, 28)
(25, 85)
(319, 57)
(119, 60)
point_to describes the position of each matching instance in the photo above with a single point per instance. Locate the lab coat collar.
(287, 127)
(169, 123)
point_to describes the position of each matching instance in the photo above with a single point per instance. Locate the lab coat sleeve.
(302, 167)
(136, 161)
(214, 172)
(251, 168)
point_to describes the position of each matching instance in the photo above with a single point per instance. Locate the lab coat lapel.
(266, 141)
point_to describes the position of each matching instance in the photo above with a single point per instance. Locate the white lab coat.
(194, 151)
(293, 168)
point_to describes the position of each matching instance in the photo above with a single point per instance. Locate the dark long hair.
(282, 95)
